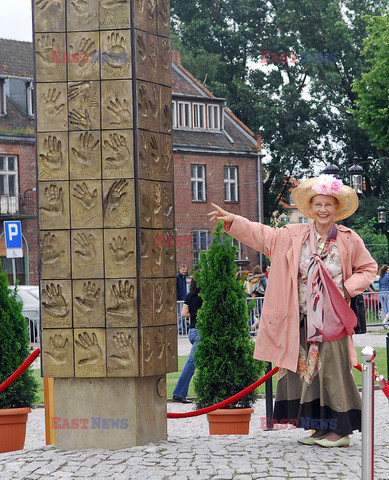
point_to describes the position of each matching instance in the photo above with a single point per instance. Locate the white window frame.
(199, 234)
(239, 245)
(302, 219)
(174, 114)
(199, 116)
(9, 202)
(228, 182)
(195, 181)
(30, 100)
(184, 119)
(213, 116)
(3, 100)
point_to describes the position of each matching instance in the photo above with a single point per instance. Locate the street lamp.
(331, 169)
(381, 214)
(356, 178)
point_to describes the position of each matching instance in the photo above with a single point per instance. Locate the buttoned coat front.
(278, 334)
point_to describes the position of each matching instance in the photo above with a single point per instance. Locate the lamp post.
(355, 174)
(381, 214)
(331, 169)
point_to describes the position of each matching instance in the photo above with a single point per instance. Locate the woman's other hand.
(221, 215)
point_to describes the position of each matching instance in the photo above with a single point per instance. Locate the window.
(174, 115)
(231, 184)
(3, 98)
(201, 240)
(198, 115)
(30, 99)
(239, 252)
(197, 173)
(184, 115)
(284, 220)
(213, 117)
(291, 201)
(303, 220)
(8, 184)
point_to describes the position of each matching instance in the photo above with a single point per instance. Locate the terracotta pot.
(230, 421)
(13, 428)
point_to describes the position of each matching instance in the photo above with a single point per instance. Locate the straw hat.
(325, 185)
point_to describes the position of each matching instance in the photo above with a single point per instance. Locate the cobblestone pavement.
(191, 453)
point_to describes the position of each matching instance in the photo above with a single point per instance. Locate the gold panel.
(118, 154)
(90, 352)
(49, 15)
(87, 254)
(84, 105)
(85, 204)
(119, 203)
(141, 48)
(54, 248)
(122, 352)
(163, 18)
(54, 205)
(50, 57)
(120, 252)
(156, 204)
(57, 353)
(116, 104)
(153, 352)
(84, 56)
(172, 349)
(152, 59)
(84, 154)
(171, 301)
(145, 12)
(148, 96)
(147, 148)
(166, 149)
(165, 61)
(53, 158)
(82, 15)
(165, 302)
(52, 109)
(151, 254)
(88, 303)
(169, 257)
(166, 110)
(114, 14)
(56, 303)
(121, 303)
(115, 54)
(147, 302)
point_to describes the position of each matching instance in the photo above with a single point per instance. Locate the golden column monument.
(105, 177)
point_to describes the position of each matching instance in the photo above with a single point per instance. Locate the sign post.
(13, 243)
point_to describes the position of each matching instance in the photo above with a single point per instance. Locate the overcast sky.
(16, 20)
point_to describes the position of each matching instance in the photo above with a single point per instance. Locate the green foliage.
(14, 349)
(375, 243)
(224, 357)
(373, 87)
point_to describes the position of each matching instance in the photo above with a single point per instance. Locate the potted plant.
(16, 400)
(224, 357)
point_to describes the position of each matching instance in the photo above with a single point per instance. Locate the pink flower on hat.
(327, 185)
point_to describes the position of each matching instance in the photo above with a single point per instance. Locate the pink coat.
(278, 335)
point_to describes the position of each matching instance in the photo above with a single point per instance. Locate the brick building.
(217, 159)
(17, 155)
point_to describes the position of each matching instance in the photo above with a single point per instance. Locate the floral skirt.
(322, 394)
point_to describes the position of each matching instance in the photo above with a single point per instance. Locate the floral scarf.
(329, 317)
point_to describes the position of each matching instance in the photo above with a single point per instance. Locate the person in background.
(383, 283)
(257, 289)
(267, 272)
(190, 308)
(181, 295)
(306, 322)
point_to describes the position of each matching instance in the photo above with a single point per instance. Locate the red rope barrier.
(230, 400)
(23, 367)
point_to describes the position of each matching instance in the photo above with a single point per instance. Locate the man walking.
(181, 295)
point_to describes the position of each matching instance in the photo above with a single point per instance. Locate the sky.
(16, 20)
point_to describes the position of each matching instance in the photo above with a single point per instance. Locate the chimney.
(176, 57)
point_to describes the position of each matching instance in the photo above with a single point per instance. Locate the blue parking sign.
(13, 239)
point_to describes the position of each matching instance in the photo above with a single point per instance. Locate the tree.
(224, 357)
(301, 107)
(14, 349)
(372, 104)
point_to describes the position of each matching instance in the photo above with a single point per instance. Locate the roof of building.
(16, 121)
(239, 136)
(16, 58)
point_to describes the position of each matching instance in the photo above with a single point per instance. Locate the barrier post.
(269, 399)
(368, 356)
(48, 384)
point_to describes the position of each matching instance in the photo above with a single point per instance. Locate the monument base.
(109, 413)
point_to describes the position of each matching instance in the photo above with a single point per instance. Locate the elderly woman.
(306, 324)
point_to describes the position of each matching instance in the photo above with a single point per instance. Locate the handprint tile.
(118, 154)
(49, 15)
(122, 352)
(84, 105)
(56, 304)
(116, 104)
(52, 110)
(88, 303)
(57, 353)
(114, 14)
(119, 252)
(85, 155)
(49, 50)
(82, 15)
(171, 348)
(116, 54)
(121, 303)
(85, 204)
(54, 249)
(87, 253)
(146, 15)
(90, 352)
(53, 156)
(54, 205)
(84, 53)
(166, 110)
(163, 19)
(119, 203)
